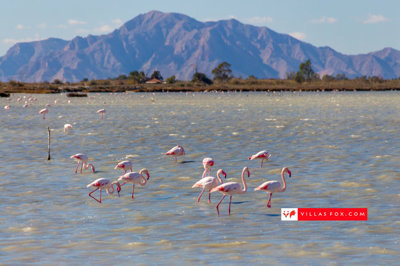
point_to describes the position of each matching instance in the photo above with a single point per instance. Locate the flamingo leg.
(90, 195)
(81, 167)
(219, 204)
(209, 197)
(262, 160)
(269, 201)
(133, 190)
(76, 169)
(131, 169)
(230, 201)
(201, 194)
(176, 159)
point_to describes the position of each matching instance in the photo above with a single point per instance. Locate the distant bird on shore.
(232, 188)
(67, 127)
(124, 165)
(103, 183)
(7, 107)
(208, 183)
(135, 178)
(83, 159)
(176, 151)
(207, 164)
(274, 186)
(102, 112)
(44, 111)
(263, 155)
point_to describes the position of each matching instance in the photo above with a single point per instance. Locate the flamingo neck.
(244, 181)
(219, 178)
(283, 181)
(144, 180)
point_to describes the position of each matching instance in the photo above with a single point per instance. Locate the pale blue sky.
(348, 26)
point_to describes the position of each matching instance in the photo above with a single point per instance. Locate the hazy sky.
(348, 26)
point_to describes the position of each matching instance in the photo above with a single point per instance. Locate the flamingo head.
(145, 171)
(246, 169)
(223, 172)
(118, 187)
(285, 169)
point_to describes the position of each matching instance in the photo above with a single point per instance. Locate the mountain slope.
(176, 44)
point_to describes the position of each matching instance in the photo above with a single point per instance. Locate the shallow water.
(342, 149)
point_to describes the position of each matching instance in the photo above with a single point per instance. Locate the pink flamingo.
(176, 151)
(44, 111)
(274, 186)
(207, 163)
(209, 182)
(124, 165)
(82, 158)
(67, 128)
(231, 188)
(104, 183)
(102, 112)
(263, 155)
(135, 178)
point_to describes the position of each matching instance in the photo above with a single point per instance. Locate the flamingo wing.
(269, 186)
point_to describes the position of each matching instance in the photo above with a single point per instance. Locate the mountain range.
(176, 44)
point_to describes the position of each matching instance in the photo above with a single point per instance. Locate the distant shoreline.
(109, 86)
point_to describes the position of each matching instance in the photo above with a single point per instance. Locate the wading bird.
(176, 151)
(124, 165)
(208, 183)
(263, 155)
(67, 127)
(104, 183)
(44, 111)
(102, 112)
(274, 186)
(207, 164)
(231, 188)
(135, 178)
(82, 158)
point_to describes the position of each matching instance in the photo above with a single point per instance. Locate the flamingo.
(209, 182)
(231, 188)
(44, 111)
(274, 186)
(102, 112)
(176, 151)
(135, 178)
(82, 158)
(207, 163)
(104, 183)
(263, 155)
(67, 127)
(124, 165)
(7, 107)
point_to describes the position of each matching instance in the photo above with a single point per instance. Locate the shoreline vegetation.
(305, 79)
(234, 84)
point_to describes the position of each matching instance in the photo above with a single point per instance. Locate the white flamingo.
(44, 111)
(104, 183)
(82, 158)
(67, 128)
(207, 164)
(102, 112)
(231, 188)
(124, 165)
(208, 183)
(176, 151)
(263, 155)
(274, 186)
(135, 178)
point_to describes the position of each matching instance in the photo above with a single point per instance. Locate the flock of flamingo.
(206, 183)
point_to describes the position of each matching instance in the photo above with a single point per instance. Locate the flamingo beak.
(224, 174)
(290, 173)
(148, 176)
(118, 190)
